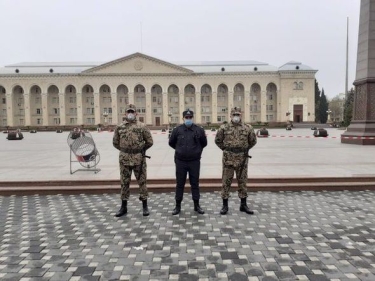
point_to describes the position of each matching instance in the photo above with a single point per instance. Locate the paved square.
(292, 236)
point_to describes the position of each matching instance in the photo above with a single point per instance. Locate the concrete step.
(168, 185)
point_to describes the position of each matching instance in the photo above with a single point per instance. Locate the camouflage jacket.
(235, 140)
(131, 138)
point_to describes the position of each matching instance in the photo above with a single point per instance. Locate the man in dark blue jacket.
(188, 140)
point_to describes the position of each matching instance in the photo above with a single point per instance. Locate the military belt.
(131, 151)
(236, 149)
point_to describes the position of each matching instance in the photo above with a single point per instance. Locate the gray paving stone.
(288, 228)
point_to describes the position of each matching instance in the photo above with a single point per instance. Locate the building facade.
(72, 94)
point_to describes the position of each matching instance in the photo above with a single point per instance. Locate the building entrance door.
(157, 121)
(298, 113)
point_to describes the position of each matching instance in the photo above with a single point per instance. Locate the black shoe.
(145, 208)
(123, 210)
(177, 209)
(224, 209)
(198, 208)
(245, 208)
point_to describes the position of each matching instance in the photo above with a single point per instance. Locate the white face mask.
(130, 116)
(236, 119)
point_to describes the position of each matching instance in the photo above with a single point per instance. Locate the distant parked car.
(289, 127)
(314, 128)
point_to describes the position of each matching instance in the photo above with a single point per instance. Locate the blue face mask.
(188, 122)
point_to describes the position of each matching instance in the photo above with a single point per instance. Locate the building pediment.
(137, 64)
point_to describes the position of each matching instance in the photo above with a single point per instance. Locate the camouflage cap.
(188, 112)
(131, 107)
(235, 110)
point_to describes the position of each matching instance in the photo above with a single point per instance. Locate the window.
(270, 96)
(206, 109)
(110, 120)
(56, 121)
(72, 99)
(39, 121)
(124, 100)
(72, 110)
(4, 100)
(20, 101)
(173, 110)
(38, 100)
(90, 120)
(269, 107)
(253, 118)
(221, 98)
(141, 110)
(22, 111)
(206, 119)
(221, 118)
(55, 100)
(173, 99)
(222, 109)
(269, 117)
(140, 99)
(22, 122)
(39, 111)
(205, 98)
(157, 110)
(90, 111)
(4, 112)
(4, 122)
(253, 108)
(56, 111)
(237, 98)
(73, 121)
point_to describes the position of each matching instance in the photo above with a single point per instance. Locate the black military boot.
(245, 208)
(145, 208)
(198, 208)
(123, 210)
(177, 209)
(224, 209)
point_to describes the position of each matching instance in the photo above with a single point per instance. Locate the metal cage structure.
(83, 151)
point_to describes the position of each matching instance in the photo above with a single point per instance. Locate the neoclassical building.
(71, 94)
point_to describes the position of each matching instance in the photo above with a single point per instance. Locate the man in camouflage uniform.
(132, 138)
(235, 139)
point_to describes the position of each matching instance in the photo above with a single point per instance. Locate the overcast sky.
(272, 31)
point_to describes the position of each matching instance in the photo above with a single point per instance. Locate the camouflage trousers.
(241, 175)
(141, 176)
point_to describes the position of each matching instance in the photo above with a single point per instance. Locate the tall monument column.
(362, 128)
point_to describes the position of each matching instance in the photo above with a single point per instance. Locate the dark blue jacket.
(188, 142)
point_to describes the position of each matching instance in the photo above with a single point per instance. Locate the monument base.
(360, 132)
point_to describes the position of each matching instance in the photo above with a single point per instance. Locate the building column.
(246, 110)
(79, 109)
(9, 107)
(148, 120)
(97, 109)
(165, 109)
(131, 98)
(181, 103)
(114, 105)
(230, 103)
(263, 110)
(45, 109)
(198, 114)
(214, 107)
(63, 111)
(27, 109)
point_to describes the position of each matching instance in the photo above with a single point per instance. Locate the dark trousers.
(182, 169)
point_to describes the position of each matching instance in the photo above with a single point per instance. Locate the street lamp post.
(169, 119)
(329, 116)
(105, 115)
(287, 117)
